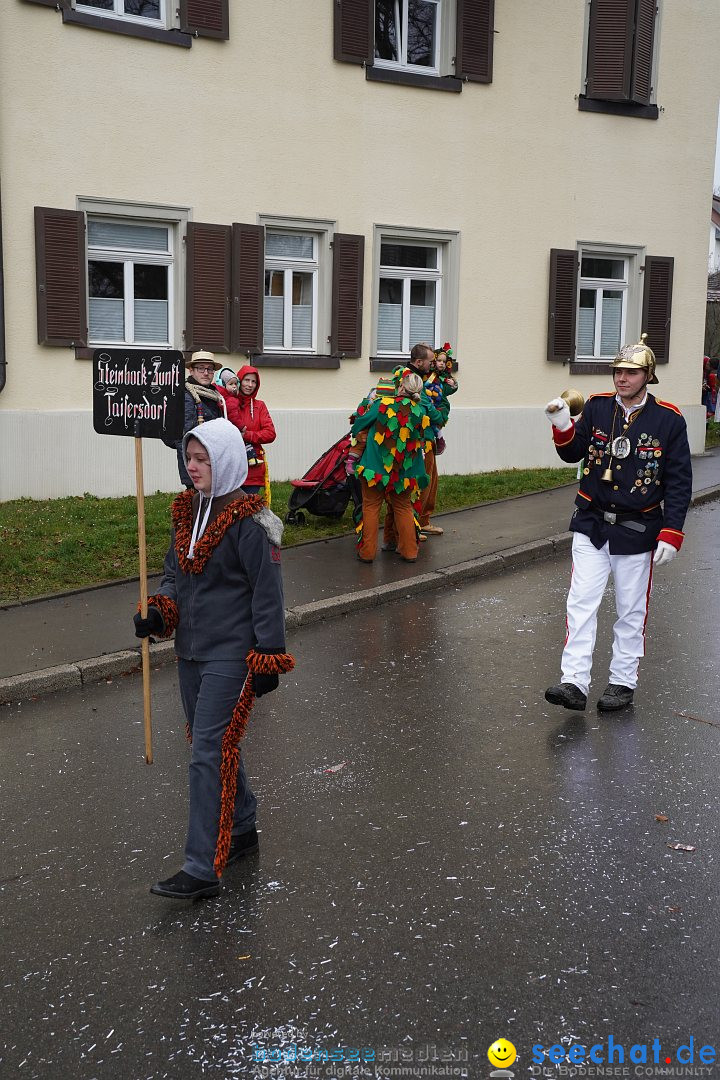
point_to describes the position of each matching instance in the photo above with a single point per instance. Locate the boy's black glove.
(264, 684)
(154, 623)
(265, 665)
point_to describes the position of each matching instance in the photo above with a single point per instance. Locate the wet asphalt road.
(482, 864)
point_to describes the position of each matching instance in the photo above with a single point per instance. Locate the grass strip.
(53, 545)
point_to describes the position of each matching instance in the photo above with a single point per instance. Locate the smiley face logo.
(502, 1054)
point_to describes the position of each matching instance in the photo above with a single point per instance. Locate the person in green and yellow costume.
(391, 468)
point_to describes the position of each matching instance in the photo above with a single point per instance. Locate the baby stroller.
(326, 489)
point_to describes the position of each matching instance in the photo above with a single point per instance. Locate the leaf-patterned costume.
(391, 468)
(396, 437)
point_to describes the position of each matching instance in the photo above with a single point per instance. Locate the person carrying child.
(442, 368)
(203, 402)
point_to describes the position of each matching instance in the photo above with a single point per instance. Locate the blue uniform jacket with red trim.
(651, 486)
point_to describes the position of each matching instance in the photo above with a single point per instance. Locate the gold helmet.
(639, 357)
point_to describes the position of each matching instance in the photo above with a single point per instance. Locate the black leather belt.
(619, 517)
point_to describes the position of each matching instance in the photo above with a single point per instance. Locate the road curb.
(705, 495)
(17, 688)
(33, 684)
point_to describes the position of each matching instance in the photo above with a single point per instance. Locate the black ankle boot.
(568, 695)
(615, 697)
(184, 886)
(244, 844)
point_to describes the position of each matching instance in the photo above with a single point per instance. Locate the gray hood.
(226, 450)
(228, 461)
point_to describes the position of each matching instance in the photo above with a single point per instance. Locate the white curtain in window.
(422, 324)
(151, 320)
(302, 326)
(289, 245)
(114, 234)
(390, 327)
(107, 320)
(611, 325)
(273, 321)
(586, 331)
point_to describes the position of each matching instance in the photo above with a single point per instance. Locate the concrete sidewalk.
(63, 641)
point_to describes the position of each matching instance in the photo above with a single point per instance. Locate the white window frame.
(175, 219)
(118, 13)
(447, 276)
(288, 267)
(630, 285)
(323, 232)
(440, 35)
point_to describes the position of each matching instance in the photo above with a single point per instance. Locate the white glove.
(664, 553)
(558, 414)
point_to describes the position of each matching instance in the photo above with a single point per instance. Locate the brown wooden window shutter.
(641, 85)
(657, 304)
(347, 294)
(354, 31)
(206, 18)
(621, 39)
(248, 281)
(61, 276)
(207, 287)
(562, 308)
(610, 39)
(474, 41)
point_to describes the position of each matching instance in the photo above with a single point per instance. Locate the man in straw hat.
(634, 494)
(203, 401)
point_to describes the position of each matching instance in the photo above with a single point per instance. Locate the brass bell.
(607, 475)
(575, 401)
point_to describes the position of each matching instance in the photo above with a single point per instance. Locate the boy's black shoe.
(568, 695)
(244, 844)
(615, 697)
(184, 886)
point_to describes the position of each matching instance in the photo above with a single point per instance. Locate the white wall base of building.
(47, 455)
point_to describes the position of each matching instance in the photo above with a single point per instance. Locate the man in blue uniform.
(633, 497)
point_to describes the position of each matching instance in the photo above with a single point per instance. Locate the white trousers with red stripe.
(632, 575)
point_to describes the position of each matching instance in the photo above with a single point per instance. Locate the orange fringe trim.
(229, 764)
(182, 522)
(269, 663)
(262, 663)
(169, 611)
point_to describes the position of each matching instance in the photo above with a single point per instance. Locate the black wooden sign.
(139, 392)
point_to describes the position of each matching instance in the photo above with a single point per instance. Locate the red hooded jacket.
(248, 412)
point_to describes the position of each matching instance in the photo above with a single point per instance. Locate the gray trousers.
(209, 692)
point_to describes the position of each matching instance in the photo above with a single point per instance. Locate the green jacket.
(444, 405)
(393, 454)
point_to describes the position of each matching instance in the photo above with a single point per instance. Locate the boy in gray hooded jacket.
(221, 593)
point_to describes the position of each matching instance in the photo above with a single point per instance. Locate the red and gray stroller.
(326, 489)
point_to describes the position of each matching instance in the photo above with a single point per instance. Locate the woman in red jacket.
(255, 424)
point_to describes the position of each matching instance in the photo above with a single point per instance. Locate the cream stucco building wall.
(269, 124)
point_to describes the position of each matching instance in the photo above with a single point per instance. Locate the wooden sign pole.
(142, 550)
